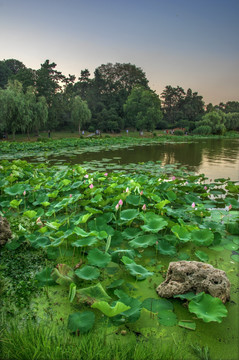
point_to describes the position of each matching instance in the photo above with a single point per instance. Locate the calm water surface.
(215, 158)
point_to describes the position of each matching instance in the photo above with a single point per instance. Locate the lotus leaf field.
(89, 249)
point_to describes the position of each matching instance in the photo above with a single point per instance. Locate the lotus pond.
(89, 249)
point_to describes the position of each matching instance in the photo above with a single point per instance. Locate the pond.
(216, 158)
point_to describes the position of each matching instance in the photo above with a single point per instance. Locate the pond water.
(216, 158)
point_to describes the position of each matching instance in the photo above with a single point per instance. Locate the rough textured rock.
(5, 231)
(186, 276)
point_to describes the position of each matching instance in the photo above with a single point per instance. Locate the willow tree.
(80, 113)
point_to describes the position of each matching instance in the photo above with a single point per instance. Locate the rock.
(194, 276)
(5, 231)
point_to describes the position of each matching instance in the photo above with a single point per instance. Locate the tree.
(232, 121)
(142, 109)
(80, 113)
(214, 120)
(14, 114)
(172, 98)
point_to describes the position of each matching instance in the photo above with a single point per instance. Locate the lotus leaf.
(207, 308)
(133, 313)
(167, 318)
(92, 294)
(97, 258)
(108, 310)
(40, 242)
(157, 305)
(181, 232)
(83, 233)
(72, 292)
(118, 254)
(201, 255)
(165, 248)
(235, 257)
(154, 223)
(134, 200)
(138, 271)
(87, 241)
(44, 277)
(115, 284)
(126, 260)
(190, 325)
(202, 237)
(128, 215)
(30, 214)
(143, 241)
(87, 273)
(63, 275)
(187, 296)
(130, 233)
(17, 189)
(81, 321)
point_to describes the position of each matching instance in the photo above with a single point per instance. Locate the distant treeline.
(117, 97)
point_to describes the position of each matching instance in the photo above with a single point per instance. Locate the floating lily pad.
(81, 321)
(207, 308)
(167, 318)
(190, 325)
(201, 255)
(138, 271)
(235, 257)
(165, 248)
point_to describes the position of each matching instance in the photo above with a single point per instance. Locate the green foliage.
(81, 321)
(143, 109)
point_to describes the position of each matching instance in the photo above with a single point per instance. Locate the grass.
(40, 342)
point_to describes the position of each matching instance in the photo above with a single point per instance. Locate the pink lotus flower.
(24, 192)
(141, 192)
(117, 207)
(144, 207)
(106, 174)
(86, 176)
(70, 195)
(193, 205)
(205, 188)
(120, 202)
(91, 186)
(173, 177)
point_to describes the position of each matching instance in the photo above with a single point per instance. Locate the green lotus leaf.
(86, 241)
(17, 189)
(54, 225)
(181, 232)
(118, 254)
(92, 294)
(167, 318)
(72, 292)
(30, 214)
(115, 284)
(133, 313)
(157, 305)
(40, 242)
(108, 310)
(201, 255)
(235, 257)
(15, 203)
(186, 296)
(134, 200)
(171, 195)
(126, 260)
(44, 277)
(190, 325)
(143, 241)
(83, 218)
(98, 258)
(128, 215)
(203, 237)
(165, 248)
(138, 271)
(63, 275)
(83, 233)
(161, 204)
(154, 224)
(207, 308)
(87, 273)
(130, 233)
(233, 228)
(81, 321)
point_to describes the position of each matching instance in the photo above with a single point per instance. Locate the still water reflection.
(215, 158)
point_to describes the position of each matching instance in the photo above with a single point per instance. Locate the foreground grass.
(40, 342)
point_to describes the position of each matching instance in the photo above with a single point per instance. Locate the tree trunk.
(79, 130)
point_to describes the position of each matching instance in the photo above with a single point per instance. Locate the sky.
(188, 43)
